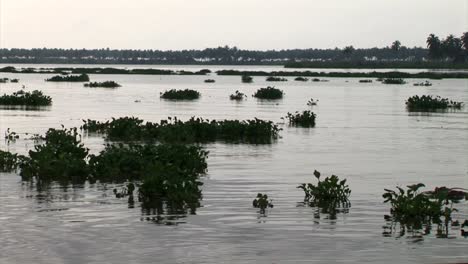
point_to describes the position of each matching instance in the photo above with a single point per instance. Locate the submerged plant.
(304, 119)
(23, 98)
(186, 94)
(69, 78)
(106, 84)
(262, 202)
(276, 79)
(246, 79)
(269, 93)
(329, 194)
(237, 96)
(430, 103)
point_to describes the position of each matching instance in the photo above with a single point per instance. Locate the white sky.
(247, 24)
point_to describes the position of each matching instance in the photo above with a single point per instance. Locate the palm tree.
(348, 50)
(433, 44)
(451, 46)
(464, 40)
(396, 45)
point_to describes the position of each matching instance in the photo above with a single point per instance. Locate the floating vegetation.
(9, 162)
(304, 119)
(262, 202)
(365, 81)
(69, 78)
(210, 81)
(301, 79)
(394, 81)
(316, 80)
(328, 194)
(312, 102)
(414, 209)
(186, 94)
(194, 130)
(106, 84)
(269, 93)
(247, 79)
(11, 136)
(430, 103)
(426, 83)
(14, 80)
(276, 79)
(23, 98)
(237, 96)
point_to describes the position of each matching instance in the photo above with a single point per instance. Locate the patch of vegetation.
(430, 103)
(316, 80)
(69, 78)
(11, 136)
(21, 97)
(210, 81)
(393, 81)
(106, 84)
(14, 80)
(426, 83)
(301, 79)
(194, 130)
(262, 202)
(269, 93)
(312, 102)
(237, 96)
(9, 162)
(276, 79)
(186, 94)
(247, 79)
(328, 194)
(365, 81)
(304, 119)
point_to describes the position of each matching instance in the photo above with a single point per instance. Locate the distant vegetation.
(5, 80)
(365, 81)
(302, 119)
(276, 79)
(429, 102)
(210, 81)
(195, 130)
(23, 98)
(237, 96)
(394, 81)
(247, 79)
(69, 78)
(186, 94)
(106, 84)
(269, 93)
(301, 79)
(426, 83)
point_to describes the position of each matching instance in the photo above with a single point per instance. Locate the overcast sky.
(247, 24)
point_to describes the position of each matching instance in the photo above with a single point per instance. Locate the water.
(363, 133)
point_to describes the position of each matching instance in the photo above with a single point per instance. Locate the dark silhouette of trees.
(434, 46)
(396, 45)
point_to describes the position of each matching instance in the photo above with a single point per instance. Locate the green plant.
(276, 79)
(106, 84)
(430, 103)
(301, 79)
(11, 136)
(23, 98)
(186, 94)
(210, 81)
(237, 96)
(69, 78)
(328, 194)
(247, 79)
(262, 202)
(394, 81)
(9, 162)
(365, 81)
(269, 93)
(312, 102)
(426, 83)
(304, 119)
(14, 80)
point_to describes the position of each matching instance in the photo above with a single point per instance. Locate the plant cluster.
(328, 194)
(426, 83)
(246, 79)
(186, 94)
(237, 96)
(194, 130)
(312, 102)
(394, 81)
(262, 202)
(210, 81)
(276, 79)
(106, 84)
(21, 97)
(301, 79)
(365, 81)
(429, 102)
(69, 78)
(11, 136)
(269, 93)
(9, 162)
(304, 119)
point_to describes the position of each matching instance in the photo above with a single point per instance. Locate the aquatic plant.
(393, 81)
(262, 202)
(14, 80)
(69, 78)
(9, 162)
(210, 81)
(365, 81)
(106, 84)
(186, 94)
(23, 98)
(316, 80)
(301, 79)
(193, 130)
(304, 119)
(329, 194)
(125, 191)
(246, 79)
(11, 136)
(426, 83)
(269, 93)
(430, 103)
(275, 79)
(312, 102)
(237, 96)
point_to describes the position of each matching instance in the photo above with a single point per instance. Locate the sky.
(247, 24)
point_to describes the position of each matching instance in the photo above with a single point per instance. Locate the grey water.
(364, 134)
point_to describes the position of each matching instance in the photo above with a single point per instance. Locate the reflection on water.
(364, 133)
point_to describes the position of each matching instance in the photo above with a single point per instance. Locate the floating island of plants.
(393, 81)
(69, 78)
(105, 84)
(186, 94)
(269, 93)
(194, 130)
(431, 103)
(238, 96)
(276, 79)
(246, 79)
(365, 81)
(5, 80)
(262, 202)
(22, 98)
(301, 79)
(302, 119)
(426, 83)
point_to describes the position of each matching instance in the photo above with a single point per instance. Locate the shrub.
(21, 97)
(428, 103)
(237, 96)
(270, 93)
(301, 79)
(186, 94)
(394, 81)
(9, 162)
(276, 79)
(106, 84)
(69, 78)
(247, 79)
(304, 119)
(330, 193)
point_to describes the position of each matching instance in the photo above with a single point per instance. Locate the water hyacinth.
(186, 94)
(303, 119)
(69, 78)
(429, 102)
(237, 96)
(23, 98)
(276, 79)
(106, 84)
(269, 93)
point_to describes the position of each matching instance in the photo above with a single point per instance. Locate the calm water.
(363, 133)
